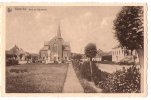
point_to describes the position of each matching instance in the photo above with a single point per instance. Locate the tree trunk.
(141, 61)
(91, 69)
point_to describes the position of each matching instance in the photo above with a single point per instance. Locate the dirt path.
(72, 84)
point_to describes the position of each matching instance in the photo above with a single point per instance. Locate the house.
(55, 50)
(98, 56)
(107, 56)
(16, 53)
(122, 54)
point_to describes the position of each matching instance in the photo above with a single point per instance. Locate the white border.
(97, 98)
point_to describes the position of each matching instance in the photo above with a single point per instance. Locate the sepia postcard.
(73, 49)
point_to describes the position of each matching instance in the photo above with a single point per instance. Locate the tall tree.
(90, 52)
(129, 30)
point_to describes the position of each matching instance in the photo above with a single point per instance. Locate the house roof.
(118, 46)
(16, 50)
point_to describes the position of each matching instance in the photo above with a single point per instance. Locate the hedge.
(121, 81)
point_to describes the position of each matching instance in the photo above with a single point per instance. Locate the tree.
(77, 56)
(129, 31)
(28, 57)
(90, 52)
(21, 55)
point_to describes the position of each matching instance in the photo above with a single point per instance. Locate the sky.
(29, 27)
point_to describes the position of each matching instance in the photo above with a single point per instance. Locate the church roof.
(59, 32)
(44, 48)
(67, 48)
(66, 43)
(46, 43)
(55, 40)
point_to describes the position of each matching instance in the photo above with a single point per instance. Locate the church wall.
(60, 53)
(66, 55)
(43, 54)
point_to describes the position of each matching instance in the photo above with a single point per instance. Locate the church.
(55, 50)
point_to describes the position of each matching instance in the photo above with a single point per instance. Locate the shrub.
(126, 63)
(125, 81)
(10, 62)
(18, 70)
(84, 69)
(107, 62)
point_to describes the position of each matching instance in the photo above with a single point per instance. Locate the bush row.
(10, 62)
(121, 81)
(85, 71)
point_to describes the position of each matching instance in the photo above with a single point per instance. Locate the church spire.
(59, 32)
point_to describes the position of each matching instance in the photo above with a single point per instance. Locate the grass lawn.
(36, 78)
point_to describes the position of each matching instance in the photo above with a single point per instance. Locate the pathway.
(72, 84)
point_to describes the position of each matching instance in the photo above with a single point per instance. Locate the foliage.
(21, 55)
(129, 28)
(11, 56)
(29, 57)
(125, 81)
(85, 71)
(121, 81)
(77, 56)
(34, 59)
(90, 50)
(85, 83)
(10, 62)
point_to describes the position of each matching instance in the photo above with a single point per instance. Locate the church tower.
(59, 32)
(60, 40)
